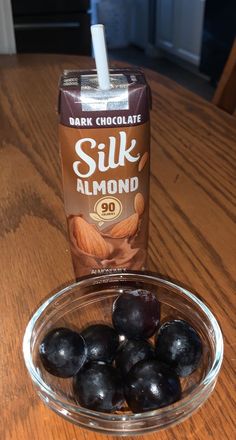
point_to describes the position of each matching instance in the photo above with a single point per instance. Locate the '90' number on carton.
(108, 208)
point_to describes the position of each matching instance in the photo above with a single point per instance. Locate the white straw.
(100, 53)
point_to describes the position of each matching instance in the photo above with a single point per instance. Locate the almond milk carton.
(104, 143)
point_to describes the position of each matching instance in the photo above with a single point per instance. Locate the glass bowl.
(90, 301)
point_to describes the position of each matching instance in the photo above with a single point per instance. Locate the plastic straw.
(100, 53)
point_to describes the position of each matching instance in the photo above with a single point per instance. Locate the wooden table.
(192, 230)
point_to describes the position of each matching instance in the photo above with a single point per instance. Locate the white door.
(179, 25)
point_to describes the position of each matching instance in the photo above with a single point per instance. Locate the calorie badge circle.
(108, 208)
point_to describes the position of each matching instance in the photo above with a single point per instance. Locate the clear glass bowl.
(90, 301)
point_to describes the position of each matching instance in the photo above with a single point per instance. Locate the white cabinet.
(7, 37)
(165, 24)
(179, 25)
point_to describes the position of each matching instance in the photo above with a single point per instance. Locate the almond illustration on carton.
(126, 228)
(143, 161)
(139, 204)
(89, 240)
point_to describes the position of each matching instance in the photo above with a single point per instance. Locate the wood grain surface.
(192, 230)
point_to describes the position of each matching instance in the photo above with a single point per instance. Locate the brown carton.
(104, 141)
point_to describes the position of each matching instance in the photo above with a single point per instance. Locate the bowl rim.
(206, 383)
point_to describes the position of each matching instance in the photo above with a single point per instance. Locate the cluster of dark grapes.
(106, 372)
